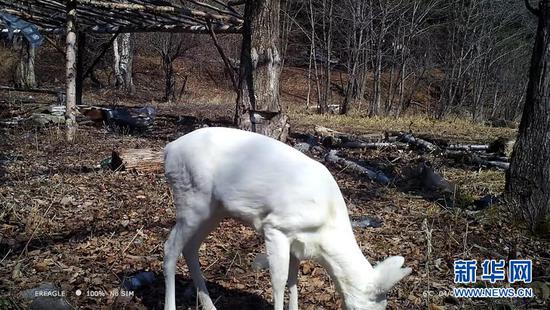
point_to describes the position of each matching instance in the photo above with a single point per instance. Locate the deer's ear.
(389, 272)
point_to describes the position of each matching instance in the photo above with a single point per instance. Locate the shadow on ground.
(152, 296)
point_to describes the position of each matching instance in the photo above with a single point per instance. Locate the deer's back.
(253, 177)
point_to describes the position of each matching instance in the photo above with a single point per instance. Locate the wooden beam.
(70, 113)
(100, 17)
(232, 12)
(160, 9)
(173, 28)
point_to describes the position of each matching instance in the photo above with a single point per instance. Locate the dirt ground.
(64, 221)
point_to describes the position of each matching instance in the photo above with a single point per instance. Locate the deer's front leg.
(278, 255)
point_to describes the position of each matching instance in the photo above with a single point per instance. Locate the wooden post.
(81, 41)
(70, 113)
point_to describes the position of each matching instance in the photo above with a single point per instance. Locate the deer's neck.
(347, 266)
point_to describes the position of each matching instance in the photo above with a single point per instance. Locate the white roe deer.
(291, 199)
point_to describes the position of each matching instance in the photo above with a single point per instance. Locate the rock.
(433, 181)
(50, 303)
(46, 296)
(32, 293)
(302, 147)
(43, 119)
(366, 221)
(260, 262)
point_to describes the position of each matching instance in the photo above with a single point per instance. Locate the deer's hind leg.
(191, 254)
(195, 220)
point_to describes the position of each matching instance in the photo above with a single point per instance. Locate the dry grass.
(455, 130)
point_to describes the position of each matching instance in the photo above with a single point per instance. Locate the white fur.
(288, 197)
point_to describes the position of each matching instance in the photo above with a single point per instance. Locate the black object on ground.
(139, 281)
(130, 119)
(486, 201)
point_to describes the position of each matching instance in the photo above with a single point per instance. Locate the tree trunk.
(124, 56)
(24, 74)
(258, 103)
(80, 54)
(169, 81)
(325, 101)
(529, 173)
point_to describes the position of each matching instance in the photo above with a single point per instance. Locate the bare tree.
(258, 102)
(24, 76)
(171, 46)
(123, 53)
(527, 178)
(356, 34)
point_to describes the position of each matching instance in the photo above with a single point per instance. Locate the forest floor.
(65, 222)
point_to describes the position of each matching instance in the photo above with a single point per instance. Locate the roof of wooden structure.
(129, 15)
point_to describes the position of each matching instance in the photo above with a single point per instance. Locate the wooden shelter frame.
(72, 17)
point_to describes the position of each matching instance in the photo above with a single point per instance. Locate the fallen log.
(138, 160)
(489, 160)
(468, 147)
(373, 145)
(379, 177)
(493, 157)
(352, 142)
(369, 137)
(326, 132)
(372, 137)
(492, 163)
(420, 143)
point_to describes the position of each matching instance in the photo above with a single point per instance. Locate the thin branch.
(211, 7)
(222, 54)
(98, 58)
(57, 47)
